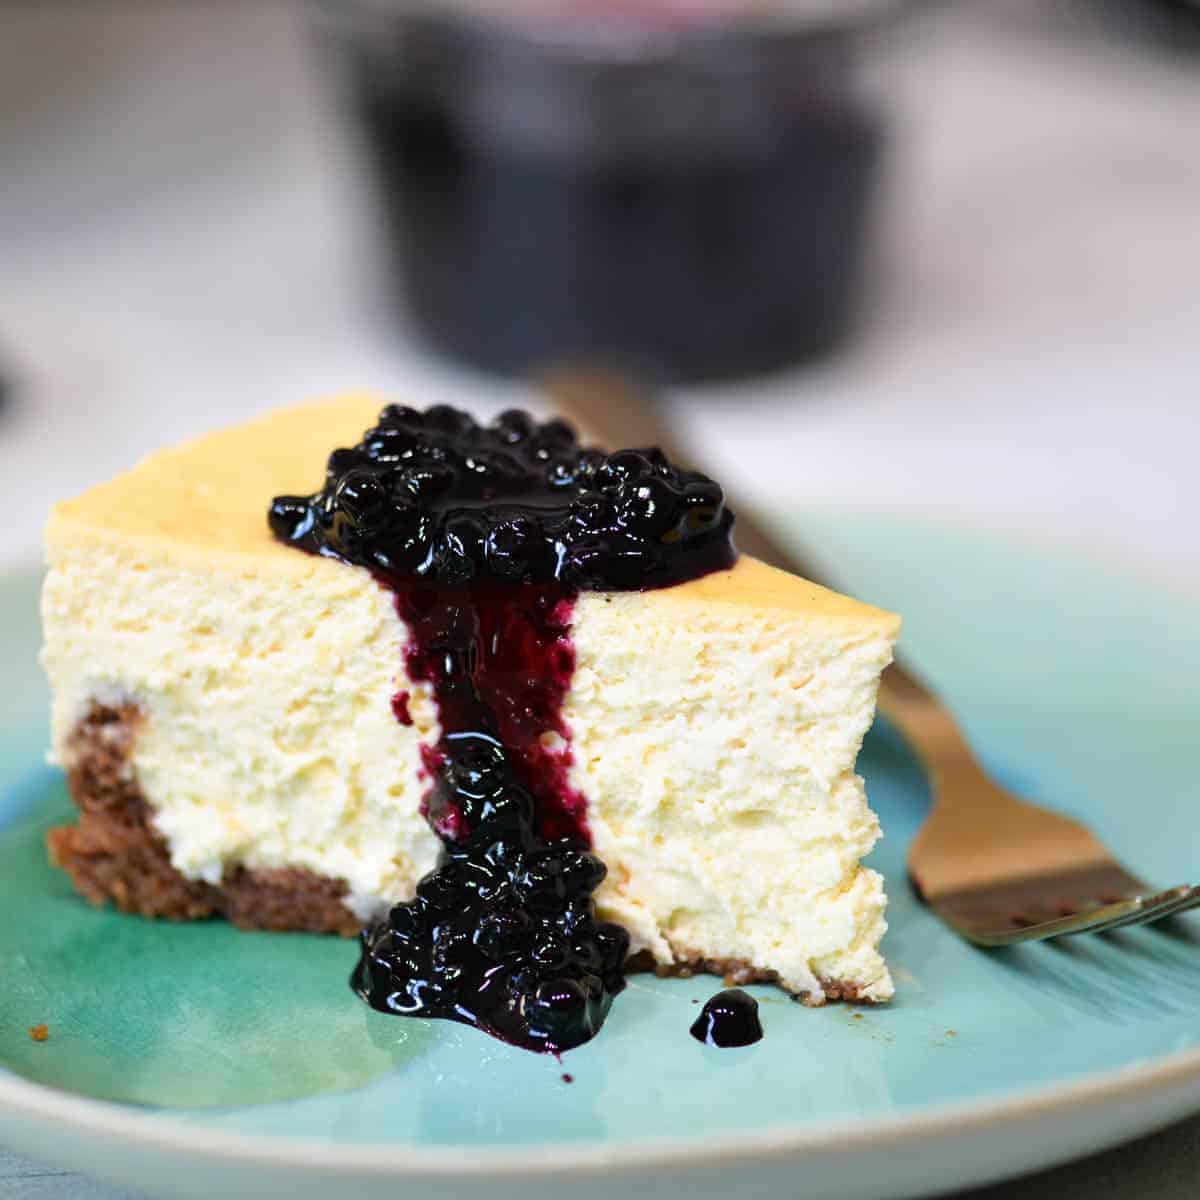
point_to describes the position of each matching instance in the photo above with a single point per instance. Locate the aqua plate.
(193, 1060)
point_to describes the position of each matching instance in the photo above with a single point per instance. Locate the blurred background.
(936, 259)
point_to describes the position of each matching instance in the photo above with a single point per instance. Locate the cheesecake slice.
(247, 732)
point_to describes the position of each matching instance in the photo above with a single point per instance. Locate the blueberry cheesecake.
(511, 709)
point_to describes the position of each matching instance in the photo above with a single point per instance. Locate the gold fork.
(994, 867)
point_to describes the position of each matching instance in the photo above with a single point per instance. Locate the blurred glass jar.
(679, 185)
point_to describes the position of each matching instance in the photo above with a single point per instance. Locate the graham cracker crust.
(736, 972)
(115, 855)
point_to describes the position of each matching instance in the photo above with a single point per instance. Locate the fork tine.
(1117, 915)
(1145, 912)
(1156, 908)
(1100, 920)
(1084, 922)
(1192, 901)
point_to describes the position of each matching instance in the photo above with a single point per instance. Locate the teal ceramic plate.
(182, 1060)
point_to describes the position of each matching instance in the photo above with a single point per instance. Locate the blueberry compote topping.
(485, 535)
(437, 497)
(729, 1019)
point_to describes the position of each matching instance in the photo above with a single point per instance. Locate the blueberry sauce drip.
(503, 934)
(499, 658)
(485, 536)
(730, 1018)
(400, 708)
(435, 496)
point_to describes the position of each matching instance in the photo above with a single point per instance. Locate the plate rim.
(153, 1131)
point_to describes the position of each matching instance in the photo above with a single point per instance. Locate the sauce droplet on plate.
(730, 1018)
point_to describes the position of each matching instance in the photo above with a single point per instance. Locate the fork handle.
(607, 406)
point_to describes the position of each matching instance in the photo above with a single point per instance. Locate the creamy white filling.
(268, 736)
(716, 751)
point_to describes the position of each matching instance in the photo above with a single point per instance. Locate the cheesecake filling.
(485, 537)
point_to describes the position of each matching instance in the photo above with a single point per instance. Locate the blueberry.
(558, 1008)
(345, 535)
(542, 869)
(405, 921)
(501, 856)
(703, 504)
(407, 543)
(513, 546)
(588, 463)
(451, 942)
(703, 493)
(431, 995)
(400, 416)
(582, 874)
(401, 498)
(514, 427)
(290, 518)
(503, 932)
(478, 470)
(425, 481)
(624, 465)
(576, 917)
(388, 444)
(445, 419)
(593, 515)
(657, 460)
(612, 942)
(466, 533)
(455, 563)
(649, 508)
(560, 474)
(440, 889)
(585, 954)
(509, 808)
(549, 952)
(476, 762)
(361, 495)
(592, 986)
(341, 461)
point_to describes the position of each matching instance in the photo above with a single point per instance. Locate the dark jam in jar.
(485, 537)
(691, 201)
